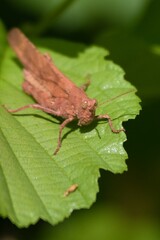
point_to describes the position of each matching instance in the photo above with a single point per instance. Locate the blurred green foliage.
(130, 204)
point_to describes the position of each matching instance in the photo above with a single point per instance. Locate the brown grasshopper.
(53, 91)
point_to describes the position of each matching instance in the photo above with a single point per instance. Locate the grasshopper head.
(86, 111)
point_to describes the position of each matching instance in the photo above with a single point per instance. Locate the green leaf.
(32, 179)
(3, 42)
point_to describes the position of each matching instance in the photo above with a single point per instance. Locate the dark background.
(128, 205)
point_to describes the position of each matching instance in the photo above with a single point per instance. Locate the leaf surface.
(32, 179)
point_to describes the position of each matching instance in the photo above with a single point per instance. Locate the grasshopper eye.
(84, 104)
